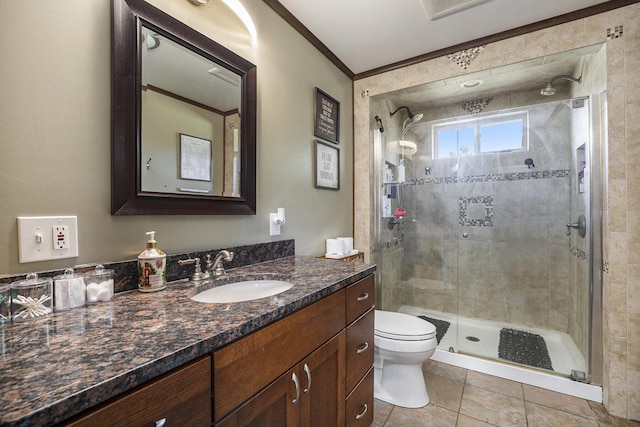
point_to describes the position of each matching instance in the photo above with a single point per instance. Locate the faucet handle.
(197, 270)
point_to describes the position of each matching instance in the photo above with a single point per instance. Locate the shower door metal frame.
(597, 155)
(374, 210)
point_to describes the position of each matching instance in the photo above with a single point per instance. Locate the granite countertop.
(56, 367)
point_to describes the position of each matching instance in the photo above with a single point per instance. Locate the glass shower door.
(388, 230)
(522, 282)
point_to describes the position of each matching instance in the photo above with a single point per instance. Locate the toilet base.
(400, 384)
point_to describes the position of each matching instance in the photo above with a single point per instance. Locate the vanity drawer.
(180, 397)
(360, 298)
(359, 407)
(359, 349)
(246, 366)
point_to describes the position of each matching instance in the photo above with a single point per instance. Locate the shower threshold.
(480, 353)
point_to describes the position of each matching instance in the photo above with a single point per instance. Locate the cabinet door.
(322, 373)
(310, 394)
(248, 365)
(272, 407)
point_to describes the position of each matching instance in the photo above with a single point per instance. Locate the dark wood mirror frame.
(127, 198)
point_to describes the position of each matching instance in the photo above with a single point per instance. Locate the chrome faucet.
(215, 266)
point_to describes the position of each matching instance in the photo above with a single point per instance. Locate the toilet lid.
(402, 326)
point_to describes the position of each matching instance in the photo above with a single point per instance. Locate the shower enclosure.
(493, 233)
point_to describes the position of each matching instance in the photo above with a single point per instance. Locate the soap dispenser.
(152, 264)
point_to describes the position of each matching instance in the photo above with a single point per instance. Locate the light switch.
(45, 238)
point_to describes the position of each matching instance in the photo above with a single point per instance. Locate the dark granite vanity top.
(56, 367)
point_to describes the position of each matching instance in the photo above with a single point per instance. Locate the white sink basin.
(242, 291)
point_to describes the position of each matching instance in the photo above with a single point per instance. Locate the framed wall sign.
(327, 117)
(327, 166)
(195, 158)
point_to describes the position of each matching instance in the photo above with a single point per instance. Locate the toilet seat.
(402, 327)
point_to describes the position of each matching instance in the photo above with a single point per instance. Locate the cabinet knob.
(362, 348)
(294, 378)
(364, 411)
(161, 422)
(308, 372)
(363, 297)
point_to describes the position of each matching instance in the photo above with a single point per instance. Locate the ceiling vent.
(438, 8)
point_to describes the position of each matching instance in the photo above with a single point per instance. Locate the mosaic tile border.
(578, 253)
(582, 255)
(464, 58)
(615, 32)
(515, 176)
(476, 106)
(464, 219)
(386, 245)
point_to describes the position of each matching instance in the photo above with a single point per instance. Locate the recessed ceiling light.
(199, 2)
(469, 84)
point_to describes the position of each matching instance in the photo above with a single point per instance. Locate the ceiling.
(369, 34)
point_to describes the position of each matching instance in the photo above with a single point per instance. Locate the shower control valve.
(581, 226)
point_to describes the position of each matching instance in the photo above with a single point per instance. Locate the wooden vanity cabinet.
(310, 394)
(307, 345)
(180, 397)
(313, 368)
(360, 351)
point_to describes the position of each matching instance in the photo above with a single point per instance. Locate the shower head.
(409, 121)
(409, 113)
(550, 91)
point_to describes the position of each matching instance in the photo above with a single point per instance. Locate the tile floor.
(460, 397)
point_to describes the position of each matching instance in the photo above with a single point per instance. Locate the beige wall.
(55, 132)
(622, 262)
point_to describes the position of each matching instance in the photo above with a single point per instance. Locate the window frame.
(476, 123)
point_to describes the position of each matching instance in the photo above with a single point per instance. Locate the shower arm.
(409, 113)
(566, 77)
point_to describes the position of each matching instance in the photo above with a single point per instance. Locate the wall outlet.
(45, 238)
(60, 237)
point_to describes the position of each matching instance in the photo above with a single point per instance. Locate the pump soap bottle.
(152, 265)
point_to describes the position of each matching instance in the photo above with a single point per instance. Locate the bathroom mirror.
(183, 119)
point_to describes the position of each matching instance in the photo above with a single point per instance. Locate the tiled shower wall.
(489, 241)
(621, 294)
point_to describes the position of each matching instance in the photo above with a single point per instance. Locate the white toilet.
(402, 343)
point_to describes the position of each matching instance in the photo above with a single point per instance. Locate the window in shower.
(488, 133)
